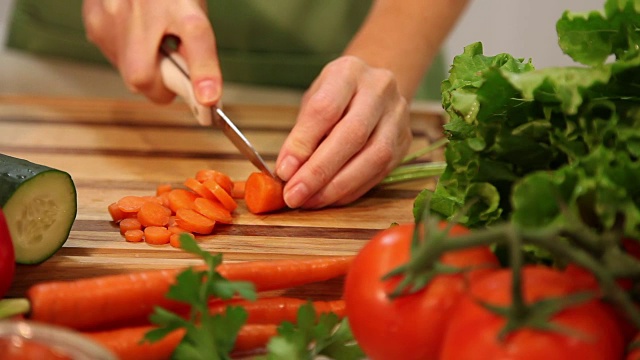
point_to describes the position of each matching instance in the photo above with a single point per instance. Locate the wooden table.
(114, 148)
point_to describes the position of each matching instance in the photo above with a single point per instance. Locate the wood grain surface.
(114, 148)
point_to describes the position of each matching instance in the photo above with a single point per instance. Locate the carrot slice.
(221, 194)
(238, 190)
(156, 235)
(181, 199)
(263, 193)
(134, 235)
(131, 203)
(163, 189)
(154, 214)
(174, 240)
(194, 222)
(198, 188)
(115, 212)
(221, 178)
(129, 224)
(213, 209)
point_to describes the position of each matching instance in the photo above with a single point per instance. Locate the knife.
(176, 77)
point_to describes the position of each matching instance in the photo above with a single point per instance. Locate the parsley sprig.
(212, 337)
(207, 336)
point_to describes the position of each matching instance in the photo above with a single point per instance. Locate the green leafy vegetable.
(328, 336)
(207, 336)
(543, 147)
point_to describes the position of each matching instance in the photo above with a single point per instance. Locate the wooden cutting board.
(114, 148)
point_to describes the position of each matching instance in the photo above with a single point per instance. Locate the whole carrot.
(274, 310)
(126, 343)
(116, 299)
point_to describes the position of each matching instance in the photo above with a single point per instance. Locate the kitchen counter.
(114, 147)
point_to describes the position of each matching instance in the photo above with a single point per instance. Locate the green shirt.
(267, 42)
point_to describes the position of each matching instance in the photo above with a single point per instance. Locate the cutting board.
(114, 148)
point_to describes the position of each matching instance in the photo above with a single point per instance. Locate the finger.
(323, 106)
(96, 23)
(381, 155)
(140, 59)
(198, 46)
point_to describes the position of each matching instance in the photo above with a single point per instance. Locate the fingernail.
(287, 168)
(207, 91)
(296, 196)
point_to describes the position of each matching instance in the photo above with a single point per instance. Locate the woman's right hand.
(129, 33)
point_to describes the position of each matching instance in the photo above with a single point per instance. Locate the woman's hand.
(351, 131)
(129, 33)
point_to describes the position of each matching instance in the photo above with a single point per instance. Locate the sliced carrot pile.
(203, 200)
(193, 209)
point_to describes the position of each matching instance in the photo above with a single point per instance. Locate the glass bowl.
(26, 340)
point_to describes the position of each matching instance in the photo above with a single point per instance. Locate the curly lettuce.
(543, 146)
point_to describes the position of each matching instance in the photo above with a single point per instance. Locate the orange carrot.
(194, 222)
(221, 178)
(126, 343)
(131, 203)
(221, 194)
(163, 189)
(134, 235)
(213, 209)
(274, 310)
(174, 239)
(129, 224)
(164, 199)
(181, 199)
(108, 300)
(115, 212)
(263, 194)
(198, 188)
(156, 235)
(237, 192)
(153, 214)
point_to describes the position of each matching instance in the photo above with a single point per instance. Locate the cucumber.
(40, 205)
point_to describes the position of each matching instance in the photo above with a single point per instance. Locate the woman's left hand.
(352, 130)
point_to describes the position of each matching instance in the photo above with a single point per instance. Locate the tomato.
(410, 326)
(7, 256)
(473, 332)
(634, 353)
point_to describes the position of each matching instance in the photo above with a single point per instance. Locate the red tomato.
(634, 354)
(7, 256)
(473, 332)
(410, 326)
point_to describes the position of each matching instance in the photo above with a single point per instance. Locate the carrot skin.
(126, 343)
(113, 300)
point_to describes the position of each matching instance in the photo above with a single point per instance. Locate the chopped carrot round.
(181, 199)
(129, 224)
(115, 212)
(135, 235)
(213, 209)
(238, 190)
(198, 188)
(221, 178)
(263, 194)
(175, 229)
(194, 222)
(154, 214)
(225, 199)
(131, 203)
(156, 235)
(163, 189)
(164, 199)
(174, 240)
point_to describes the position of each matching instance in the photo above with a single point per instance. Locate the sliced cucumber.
(40, 204)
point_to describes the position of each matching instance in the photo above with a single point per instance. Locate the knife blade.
(175, 76)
